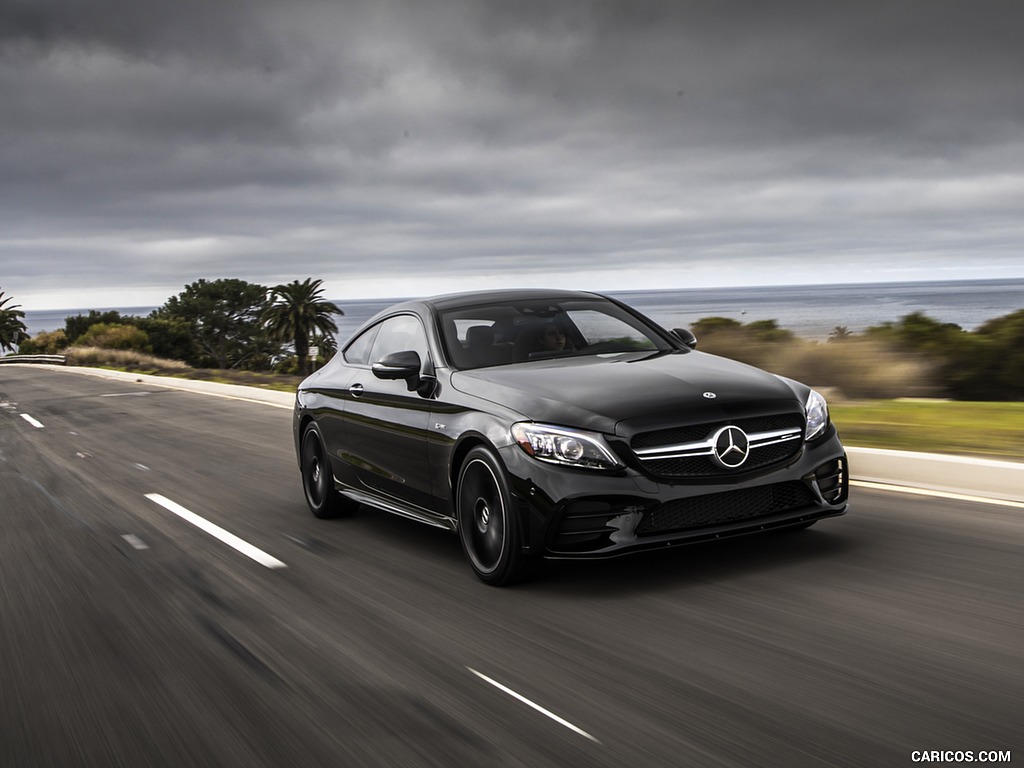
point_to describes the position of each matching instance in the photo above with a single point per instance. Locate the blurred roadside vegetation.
(915, 356)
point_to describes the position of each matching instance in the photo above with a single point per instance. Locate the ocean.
(809, 311)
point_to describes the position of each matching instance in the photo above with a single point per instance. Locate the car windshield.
(515, 332)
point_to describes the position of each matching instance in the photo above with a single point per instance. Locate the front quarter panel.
(458, 422)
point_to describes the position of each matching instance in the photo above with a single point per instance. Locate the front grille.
(724, 508)
(693, 458)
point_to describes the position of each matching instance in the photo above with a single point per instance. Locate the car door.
(385, 424)
(331, 395)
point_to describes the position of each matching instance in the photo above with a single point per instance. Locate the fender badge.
(710, 395)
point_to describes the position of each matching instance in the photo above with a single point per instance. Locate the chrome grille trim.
(707, 447)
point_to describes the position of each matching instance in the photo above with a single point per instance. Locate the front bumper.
(568, 513)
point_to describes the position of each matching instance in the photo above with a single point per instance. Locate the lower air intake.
(723, 508)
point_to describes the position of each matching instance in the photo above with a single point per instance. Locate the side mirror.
(686, 337)
(399, 365)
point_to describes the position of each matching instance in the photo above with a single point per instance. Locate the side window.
(358, 352)
(399, 334)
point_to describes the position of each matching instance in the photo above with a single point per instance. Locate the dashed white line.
(937, 494)
(34, 422)
(217, 532)
(527, 702)
(135, 541)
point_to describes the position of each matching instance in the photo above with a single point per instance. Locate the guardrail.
(51, 359)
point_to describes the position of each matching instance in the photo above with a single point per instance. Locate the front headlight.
(816, 411)
(559, 445)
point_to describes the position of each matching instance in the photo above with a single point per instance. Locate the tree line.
(226, 323)
(913, 355)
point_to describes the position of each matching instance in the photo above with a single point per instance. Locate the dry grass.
(122, 360)
(137, 362)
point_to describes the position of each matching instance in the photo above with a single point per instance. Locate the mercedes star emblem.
(731, 446)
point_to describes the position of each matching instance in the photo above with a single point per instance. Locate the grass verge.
(989, 430)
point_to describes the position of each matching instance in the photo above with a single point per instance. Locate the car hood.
(612, 393)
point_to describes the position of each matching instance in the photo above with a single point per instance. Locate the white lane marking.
(537, 707)
(937, 494)
(33, 422)
(135, 541)
(217, 532)
(127, 394)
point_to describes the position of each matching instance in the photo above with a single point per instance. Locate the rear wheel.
(488, 526)
(318, 478)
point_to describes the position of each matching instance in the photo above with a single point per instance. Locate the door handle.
(356, 390)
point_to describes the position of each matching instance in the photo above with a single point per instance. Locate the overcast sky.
(397, 148)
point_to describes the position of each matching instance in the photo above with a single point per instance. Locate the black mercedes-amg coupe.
(554, 424)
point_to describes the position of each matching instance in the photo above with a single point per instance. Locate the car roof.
(473, 298)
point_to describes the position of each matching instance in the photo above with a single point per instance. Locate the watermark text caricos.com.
(960, 756)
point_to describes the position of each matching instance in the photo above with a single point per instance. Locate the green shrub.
(44, 343)
(115, 336)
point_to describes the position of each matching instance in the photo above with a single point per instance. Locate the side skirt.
(403, 510)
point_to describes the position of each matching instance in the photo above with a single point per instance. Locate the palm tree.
(12, 328)
(328, 344)
(297, 311)
(840, 333)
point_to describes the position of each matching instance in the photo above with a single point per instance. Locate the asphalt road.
(132, 637)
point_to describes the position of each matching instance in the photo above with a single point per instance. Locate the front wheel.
(488, 526)
(318, 478)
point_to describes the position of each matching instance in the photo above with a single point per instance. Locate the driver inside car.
(553, 339)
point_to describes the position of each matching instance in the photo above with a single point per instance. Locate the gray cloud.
(385, 145)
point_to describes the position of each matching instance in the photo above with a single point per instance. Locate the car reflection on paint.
(551, 424)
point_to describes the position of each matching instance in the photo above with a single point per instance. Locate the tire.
(488, 526)
(318, 478)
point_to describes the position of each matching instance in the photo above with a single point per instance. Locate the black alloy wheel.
(488, 527)
(318, 478)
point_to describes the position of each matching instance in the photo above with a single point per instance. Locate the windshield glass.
(500, 334)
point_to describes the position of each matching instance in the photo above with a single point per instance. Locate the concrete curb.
(931, 471)
(939, 472)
